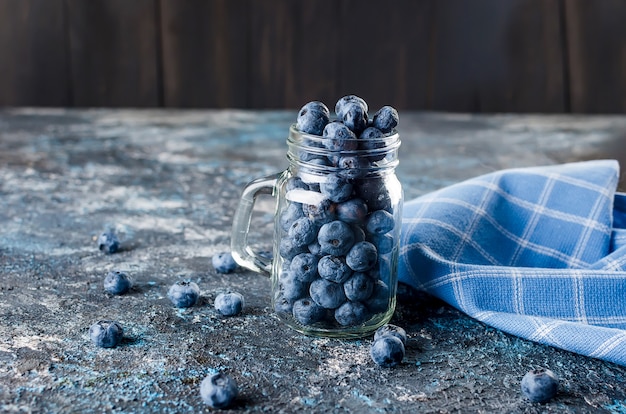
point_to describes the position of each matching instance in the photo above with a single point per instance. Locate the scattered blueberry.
(380, 222)
(352, 211)
(229, 304)
(307, 312)
(358, 287)
(393, 330)
(218, 390)
(387, 351)
(106, 334)
(336, 238)
(184, 294)
(312, 118)
(386, 119)
(108, 242)
(224, 263)
(351, 314)
(540, 385)
(117, 282)
(362, 256)
(327, 294)
(333, 268)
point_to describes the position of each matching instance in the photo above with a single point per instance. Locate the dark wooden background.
(453, 55)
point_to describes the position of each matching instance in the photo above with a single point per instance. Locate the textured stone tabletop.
(169, 181)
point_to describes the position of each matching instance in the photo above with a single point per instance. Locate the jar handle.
(242, 253)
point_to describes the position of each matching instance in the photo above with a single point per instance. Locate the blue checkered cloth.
(536, 252)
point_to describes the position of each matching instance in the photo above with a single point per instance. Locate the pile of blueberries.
(336, 240)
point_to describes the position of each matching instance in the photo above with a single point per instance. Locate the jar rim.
(384, 151)
(388, 142)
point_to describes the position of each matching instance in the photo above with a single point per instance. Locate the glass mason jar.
(336, 234)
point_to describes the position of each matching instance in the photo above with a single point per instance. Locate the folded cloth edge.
(573, 334)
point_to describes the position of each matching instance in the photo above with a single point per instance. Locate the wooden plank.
(385, 52)
(114, 52)
(497, 56)
(205, 53)
(293, 53)
(33, 54)
(596, 39)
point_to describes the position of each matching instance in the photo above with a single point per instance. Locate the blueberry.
(351, 314)
(223, 262)
(335, 238)
(374, 192)
(383, 243)
(393, 330)
(289, 248)
(336, 188)
(354, 117)
(184, 294)
(352, 211)
(312, 118)
(218, 390)
(290, 287)
(282, 304)
(380, 222)
(333, 268)
(229, 304)
(316, 164)
(327, 294)
(540, 385)
(387, 351)
(302, 232)
(353, 166)
(106, 334)
(386, 119)
(358, 287)
(379, 301)
(362, 256)
(117, 283)
(108, 242)
(295, 183)
(304, 267)
(290, 214)
(344, 102)
(372, 139)
(307, 312)
(315, 248)
(321, 212)
(338, 137)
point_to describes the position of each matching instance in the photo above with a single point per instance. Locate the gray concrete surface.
(169, 181)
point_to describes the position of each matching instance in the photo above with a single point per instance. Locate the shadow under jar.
(336, 234)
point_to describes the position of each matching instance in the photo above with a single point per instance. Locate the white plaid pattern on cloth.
(536, 252)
